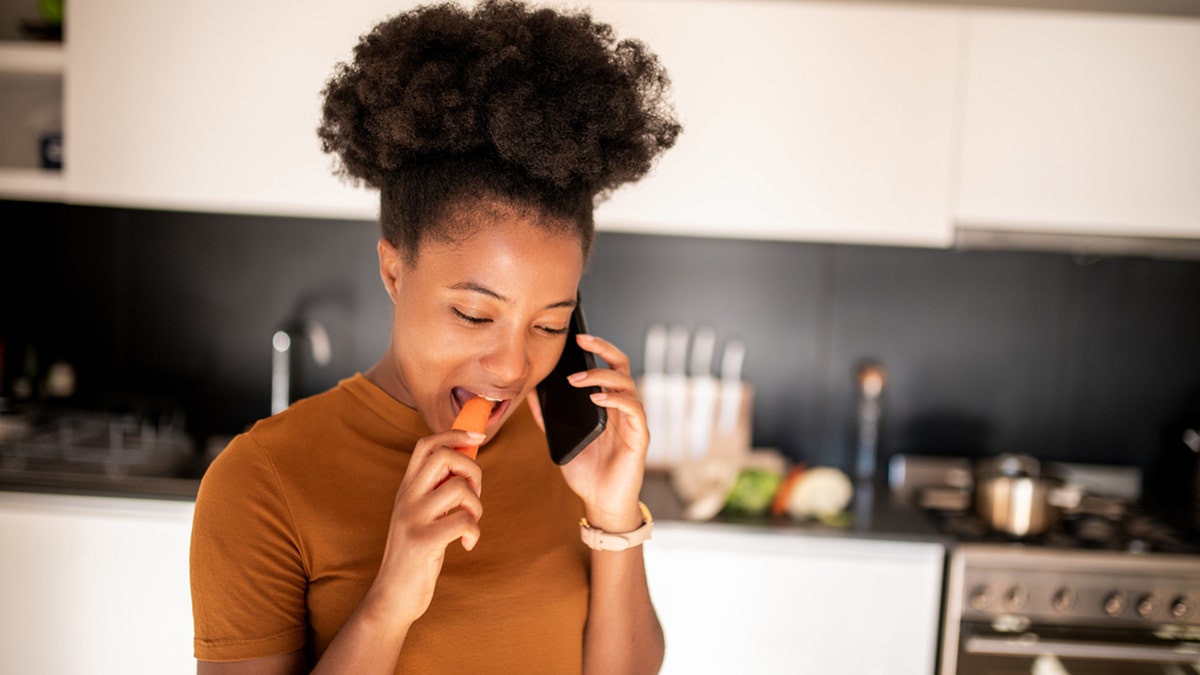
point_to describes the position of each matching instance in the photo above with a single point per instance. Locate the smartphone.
(572, 420)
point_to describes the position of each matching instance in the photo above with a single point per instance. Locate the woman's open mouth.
(461, 396)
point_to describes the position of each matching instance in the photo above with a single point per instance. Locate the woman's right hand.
(437, 503)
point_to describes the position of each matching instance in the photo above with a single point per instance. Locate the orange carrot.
(472, 417)
(779, 504)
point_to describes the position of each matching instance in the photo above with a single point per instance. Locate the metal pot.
(1015, 500)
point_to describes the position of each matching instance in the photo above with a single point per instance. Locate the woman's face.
(484, 315)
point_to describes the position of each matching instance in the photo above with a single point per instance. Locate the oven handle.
(991, 646)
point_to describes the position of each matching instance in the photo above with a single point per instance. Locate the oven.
(1013, 608)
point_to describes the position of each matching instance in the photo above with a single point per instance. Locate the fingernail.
(599, 396)
(476, 436)
(586, 337)
(577, 377)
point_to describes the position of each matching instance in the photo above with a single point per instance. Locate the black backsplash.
(986, 351)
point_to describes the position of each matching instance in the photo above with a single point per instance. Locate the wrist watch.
(600, 540)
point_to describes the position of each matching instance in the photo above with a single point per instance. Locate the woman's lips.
(459, 395)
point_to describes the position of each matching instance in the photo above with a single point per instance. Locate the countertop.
(880, 519)
(875, 518)
(100, 485)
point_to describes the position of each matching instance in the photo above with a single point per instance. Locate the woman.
(346, 534)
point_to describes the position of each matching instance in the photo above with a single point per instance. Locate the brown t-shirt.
(290, 526)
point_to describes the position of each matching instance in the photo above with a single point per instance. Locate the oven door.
(1073, 651)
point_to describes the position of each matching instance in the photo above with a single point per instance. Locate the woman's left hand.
(607, 474)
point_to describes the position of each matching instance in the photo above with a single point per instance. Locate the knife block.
(695, 418)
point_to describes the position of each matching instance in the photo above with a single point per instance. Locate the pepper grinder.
(871, 379)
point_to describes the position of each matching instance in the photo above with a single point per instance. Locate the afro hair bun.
(550, 95)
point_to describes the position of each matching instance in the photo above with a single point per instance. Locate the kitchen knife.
(653, 393)
(703, 399)
(732, 360)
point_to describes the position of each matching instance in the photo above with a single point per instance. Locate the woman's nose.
(509, 361)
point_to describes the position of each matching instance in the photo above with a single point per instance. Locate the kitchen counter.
(99, 485)
(883, 521)
(732, 597)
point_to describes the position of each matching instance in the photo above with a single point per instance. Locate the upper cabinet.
(803, 121)
(815, 121)
(1081, 124)
(209, 106)
(877, 123)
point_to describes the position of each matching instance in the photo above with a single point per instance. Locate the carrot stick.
(473, 417)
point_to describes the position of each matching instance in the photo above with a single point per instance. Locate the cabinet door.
(94, 585)
(737, 601)
(209, 106)
(1081, 123)
(811, 121)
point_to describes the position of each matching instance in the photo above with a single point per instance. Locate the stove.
(1110, 588)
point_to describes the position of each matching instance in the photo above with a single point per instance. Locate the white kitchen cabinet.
(820, 121)
(802, 120)
(209, 106)
(100, 585)
(739, 600)
(1082, 124)
(94, 585)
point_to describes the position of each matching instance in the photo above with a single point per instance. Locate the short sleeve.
(248, 576)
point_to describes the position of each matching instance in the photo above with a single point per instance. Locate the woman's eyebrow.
(476, 287)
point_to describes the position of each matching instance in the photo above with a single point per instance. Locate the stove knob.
(1015, 598)
(1114, 604)
(980, 598)
(1063, 600)
(1180, 608)
(1146, 606)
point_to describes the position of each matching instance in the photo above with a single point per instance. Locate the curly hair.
(545, 110)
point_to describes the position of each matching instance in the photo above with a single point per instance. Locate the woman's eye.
(553, 331)
(466, 318)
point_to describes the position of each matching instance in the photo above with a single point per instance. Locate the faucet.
(281, 358)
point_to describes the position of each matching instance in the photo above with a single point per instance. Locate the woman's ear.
(391, 267)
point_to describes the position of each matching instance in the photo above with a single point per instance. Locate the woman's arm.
(623, 634)
(292, 663)
(436, 504)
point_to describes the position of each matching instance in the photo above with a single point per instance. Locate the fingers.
(434, 460)
(615, 358)
(441, 489)
(604, 378)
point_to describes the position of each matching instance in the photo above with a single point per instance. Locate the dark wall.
(986, 352)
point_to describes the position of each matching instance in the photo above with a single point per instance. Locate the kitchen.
(822, 232)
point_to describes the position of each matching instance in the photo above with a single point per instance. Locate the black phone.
(572, 420)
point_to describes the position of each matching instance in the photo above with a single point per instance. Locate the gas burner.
(1127, 529)
(1097, 532)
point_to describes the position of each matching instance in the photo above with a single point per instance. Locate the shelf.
(32, 58)
(31, 184)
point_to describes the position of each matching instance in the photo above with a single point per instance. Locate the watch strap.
(601, 540)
